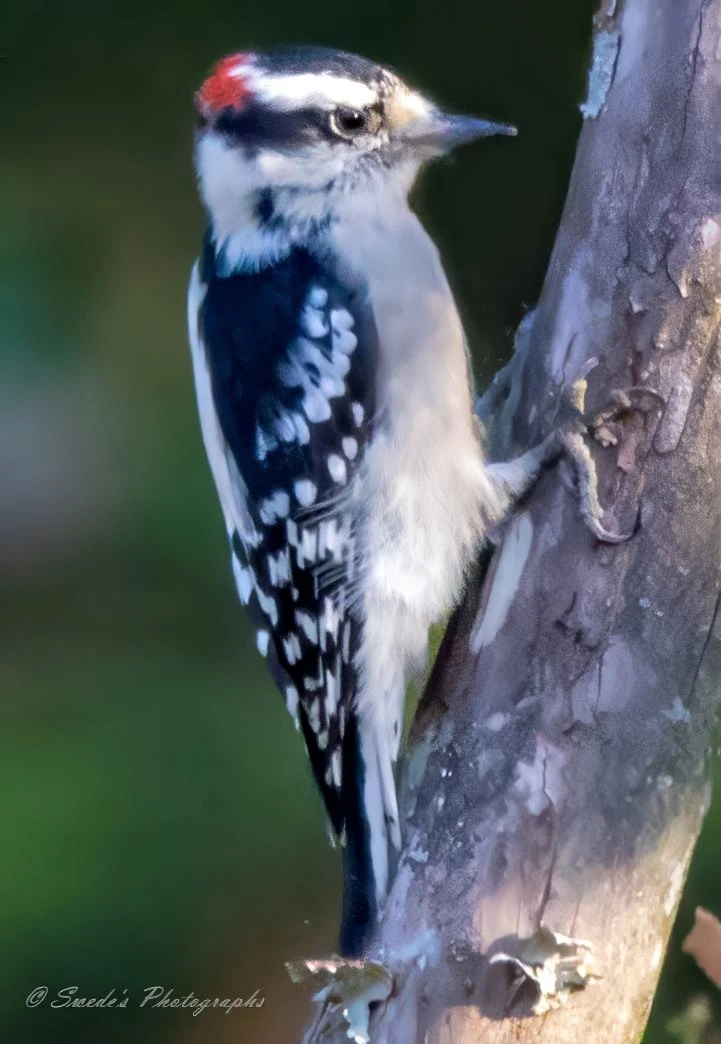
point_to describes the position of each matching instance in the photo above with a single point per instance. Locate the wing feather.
(284, 363)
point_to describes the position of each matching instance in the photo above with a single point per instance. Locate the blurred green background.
(159, 824)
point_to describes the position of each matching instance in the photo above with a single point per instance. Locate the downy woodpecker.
(335, 400)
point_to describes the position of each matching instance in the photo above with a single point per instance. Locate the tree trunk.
(558, 768)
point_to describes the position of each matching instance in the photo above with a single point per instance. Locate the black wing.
(291, 357)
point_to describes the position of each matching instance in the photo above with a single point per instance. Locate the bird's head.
(289, 139)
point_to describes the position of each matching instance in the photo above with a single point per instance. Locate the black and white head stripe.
(286, 139)
(322, 82)
(290, 357)
(285, 99)
(292, 79)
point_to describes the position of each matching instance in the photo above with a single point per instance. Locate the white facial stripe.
(415, 103)
(303, 89)
(406, 106)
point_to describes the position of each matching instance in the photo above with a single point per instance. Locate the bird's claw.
(572, 436)
(605, 535)
(584, 467)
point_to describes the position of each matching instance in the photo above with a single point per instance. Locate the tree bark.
(558, 767)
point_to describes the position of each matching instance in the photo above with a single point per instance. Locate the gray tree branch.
(558, 769)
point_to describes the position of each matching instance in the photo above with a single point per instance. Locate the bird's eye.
(348, 122)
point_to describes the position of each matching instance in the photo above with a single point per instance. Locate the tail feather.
(385, 758)
(371, 813)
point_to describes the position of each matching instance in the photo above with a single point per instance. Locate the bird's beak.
(443, 132)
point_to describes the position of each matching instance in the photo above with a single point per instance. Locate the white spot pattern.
(344, 342)
(341, 320)
(302, 428)
(331, 374)
(337, 468)
(291, 647)
(291, 700)
(320, 376)
(264, 443)
(285, 428)
(350, 447)
(331, 694)
(314, 322)
(334, 536)
(305, 492)
(275, 507)
(318, 297)
(268, 605)
(316, 365)
(308, 547)
(308, 625)
(295, 375)
(335, 767)
(314, 714)
(330, 618)
(279, 568)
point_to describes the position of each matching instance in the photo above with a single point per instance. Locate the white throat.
(232, 183)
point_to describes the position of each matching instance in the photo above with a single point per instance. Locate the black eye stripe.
(259, 125)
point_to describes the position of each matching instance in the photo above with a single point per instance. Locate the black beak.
(443, 132)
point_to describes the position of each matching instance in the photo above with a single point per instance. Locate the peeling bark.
(558, 766)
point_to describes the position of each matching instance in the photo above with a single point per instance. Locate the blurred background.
(159, 823)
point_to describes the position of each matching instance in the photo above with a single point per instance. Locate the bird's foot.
(605, 427)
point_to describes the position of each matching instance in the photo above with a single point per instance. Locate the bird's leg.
(515, 478)
(604, 427)
(584, 471)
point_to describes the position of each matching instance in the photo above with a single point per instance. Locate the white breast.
(426, 489)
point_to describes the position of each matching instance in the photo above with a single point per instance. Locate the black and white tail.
(370, 823)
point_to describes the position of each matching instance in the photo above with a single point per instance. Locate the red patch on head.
(226, 87)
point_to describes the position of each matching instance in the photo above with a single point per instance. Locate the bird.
(335, 397)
